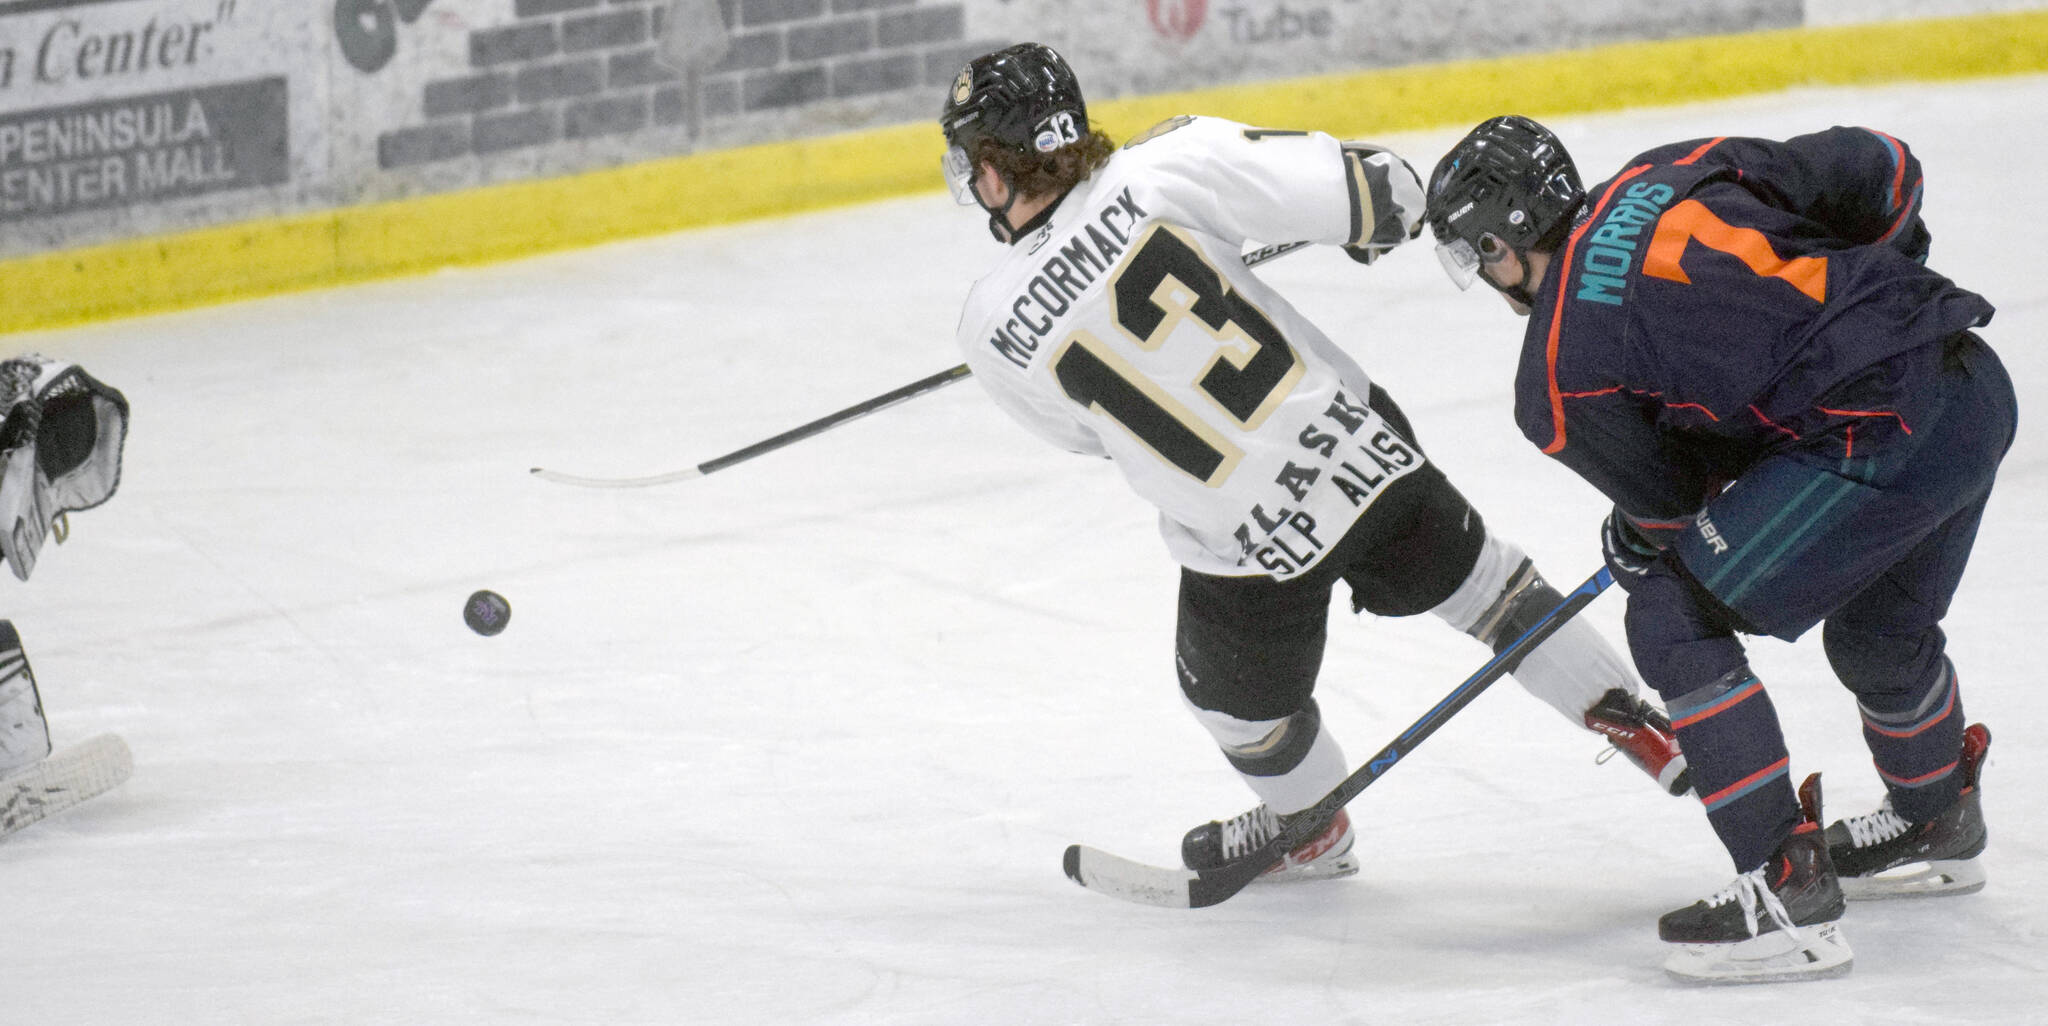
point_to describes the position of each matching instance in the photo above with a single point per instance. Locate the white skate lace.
(1249, 831)
(1755, 895)
(1876, 828)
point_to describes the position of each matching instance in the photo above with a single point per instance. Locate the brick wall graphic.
(565, 70)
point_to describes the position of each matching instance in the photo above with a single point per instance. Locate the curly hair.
(1045, 174)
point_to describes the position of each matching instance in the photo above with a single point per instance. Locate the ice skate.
(1883, 856)
(1325, 856)
(1643, 733)
(1776, 922)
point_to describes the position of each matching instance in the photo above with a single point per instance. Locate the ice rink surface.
(802, 742)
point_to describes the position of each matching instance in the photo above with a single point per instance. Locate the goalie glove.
(60, 451)
(1388, 199)
(24, 496)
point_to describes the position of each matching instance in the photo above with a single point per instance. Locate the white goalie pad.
(24, 733)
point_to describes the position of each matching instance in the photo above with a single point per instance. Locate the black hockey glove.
(1628, 551)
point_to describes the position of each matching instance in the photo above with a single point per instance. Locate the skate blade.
(1321, 869)
(1938, 878)
(1814, 953)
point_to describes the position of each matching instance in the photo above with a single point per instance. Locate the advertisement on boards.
(121, 118)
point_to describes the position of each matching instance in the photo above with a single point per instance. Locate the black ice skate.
(1325, 856)
(1883, 856)
(1643, 733)
(1775, 922)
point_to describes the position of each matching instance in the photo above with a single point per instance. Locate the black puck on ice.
(487, 613)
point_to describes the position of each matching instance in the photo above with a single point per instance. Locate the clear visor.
(1460, 261)
(959, 172)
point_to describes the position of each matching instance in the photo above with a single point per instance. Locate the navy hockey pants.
(1866, 533)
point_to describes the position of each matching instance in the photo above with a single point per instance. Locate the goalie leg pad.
(24, 733)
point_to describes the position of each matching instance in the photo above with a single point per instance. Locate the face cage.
(959, 172)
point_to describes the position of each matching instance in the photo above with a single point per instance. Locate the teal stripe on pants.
(1761, 532)
(1840, 492)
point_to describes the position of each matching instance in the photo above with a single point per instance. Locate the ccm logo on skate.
(1711, 533)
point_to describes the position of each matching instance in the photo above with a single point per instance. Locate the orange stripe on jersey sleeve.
(1702, 151)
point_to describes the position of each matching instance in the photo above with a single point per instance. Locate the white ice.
(802, 741)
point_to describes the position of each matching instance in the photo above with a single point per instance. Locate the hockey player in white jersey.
(1122, 322)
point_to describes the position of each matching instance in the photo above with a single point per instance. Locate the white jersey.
(1128, 325)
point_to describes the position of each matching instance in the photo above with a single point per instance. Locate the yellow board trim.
(491, 223)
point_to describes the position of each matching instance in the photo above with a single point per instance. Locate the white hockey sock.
(1570, 670)
(1302, 785)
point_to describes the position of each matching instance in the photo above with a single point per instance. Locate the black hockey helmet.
(1503, 188)
(1024, 97)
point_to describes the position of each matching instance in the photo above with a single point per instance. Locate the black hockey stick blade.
(1144, 884)
(828, 422)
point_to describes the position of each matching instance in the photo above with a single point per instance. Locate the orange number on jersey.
(1691, 220)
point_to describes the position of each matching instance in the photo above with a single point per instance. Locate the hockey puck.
(487, 613)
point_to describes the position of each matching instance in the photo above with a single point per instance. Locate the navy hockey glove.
(1628, 550)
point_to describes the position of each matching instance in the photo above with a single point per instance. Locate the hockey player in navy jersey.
(1122, 322)
(1739, 342)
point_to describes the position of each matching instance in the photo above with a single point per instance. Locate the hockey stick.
(70, 776)
(825, 423)
(1120, 877)
(767, 445)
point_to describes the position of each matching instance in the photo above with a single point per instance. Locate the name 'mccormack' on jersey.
(1123, 322)
(1721, 299)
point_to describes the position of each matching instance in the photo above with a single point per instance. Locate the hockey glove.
(24, 490)
(1629, 549)
(60, 451)
(1388, 196)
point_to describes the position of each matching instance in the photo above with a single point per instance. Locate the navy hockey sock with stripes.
(1740, 768)
(1915, 740)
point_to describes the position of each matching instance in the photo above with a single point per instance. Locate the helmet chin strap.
(1519, 292)
(999, 218)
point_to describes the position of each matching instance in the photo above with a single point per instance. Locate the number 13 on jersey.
(1165, 281)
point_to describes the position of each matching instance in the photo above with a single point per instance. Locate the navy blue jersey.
(1723, 299)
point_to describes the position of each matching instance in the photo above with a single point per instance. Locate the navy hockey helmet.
(1502, 189)
(1023, 97)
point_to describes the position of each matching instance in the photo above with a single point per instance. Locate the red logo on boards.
(1177, 20)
